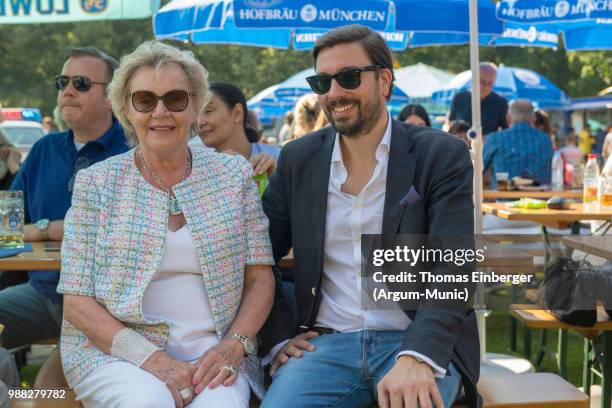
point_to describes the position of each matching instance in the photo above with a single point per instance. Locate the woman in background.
(415, 115)
(224, 126)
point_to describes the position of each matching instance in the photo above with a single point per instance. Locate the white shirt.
(179, 278)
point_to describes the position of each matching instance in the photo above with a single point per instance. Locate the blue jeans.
(344, 371)
(28, 316)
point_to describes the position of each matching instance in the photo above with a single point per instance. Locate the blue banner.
(310, 13)
(552, 11)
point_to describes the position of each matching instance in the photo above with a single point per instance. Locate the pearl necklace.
(173, 205)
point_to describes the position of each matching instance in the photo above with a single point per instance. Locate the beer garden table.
(596, 244)
(542, 195)
(39, 258)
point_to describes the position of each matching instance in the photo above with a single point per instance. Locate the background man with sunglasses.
(33, 311)
(366, 174)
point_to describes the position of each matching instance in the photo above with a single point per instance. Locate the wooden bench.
(541, 390)
(536, 390)
(600, 332)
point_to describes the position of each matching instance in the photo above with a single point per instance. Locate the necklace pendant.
(175, 209)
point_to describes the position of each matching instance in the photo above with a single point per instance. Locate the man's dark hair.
(372, 42)
(110, 62)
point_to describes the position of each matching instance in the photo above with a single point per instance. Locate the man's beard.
(367, 116)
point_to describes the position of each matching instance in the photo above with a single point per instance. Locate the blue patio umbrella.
(266, 23)
(577, 36)
(512, 83)
(551, 11)
(583, 25)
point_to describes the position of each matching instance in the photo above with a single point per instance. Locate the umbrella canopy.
(20, 12)
(283, 23)
(267, 23)
(584, 25)
(550, 11)
(512, 83)
(577, 36)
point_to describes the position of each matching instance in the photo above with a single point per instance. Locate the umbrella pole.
(476, 135)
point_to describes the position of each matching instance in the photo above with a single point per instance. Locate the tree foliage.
(31, 55)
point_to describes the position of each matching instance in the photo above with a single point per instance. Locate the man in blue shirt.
(521, 148)
(33, 311)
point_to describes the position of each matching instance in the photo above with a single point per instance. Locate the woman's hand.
(212, 367)
(263, 163)
(175, 374)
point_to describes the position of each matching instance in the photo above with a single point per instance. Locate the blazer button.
(314, 291)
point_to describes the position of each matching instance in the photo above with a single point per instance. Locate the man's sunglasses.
(146, 101)
(79, 82)
(348, 79)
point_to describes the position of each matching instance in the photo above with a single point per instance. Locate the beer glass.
(11, 212)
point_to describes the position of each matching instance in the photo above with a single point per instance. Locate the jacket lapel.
(319, 180)
(400, 177)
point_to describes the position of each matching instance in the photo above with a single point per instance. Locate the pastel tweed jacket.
(114, 238)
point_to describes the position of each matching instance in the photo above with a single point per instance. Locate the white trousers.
(123, 385)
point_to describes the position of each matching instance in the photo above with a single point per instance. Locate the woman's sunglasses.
(146, 101)
(79, 82)
(348, 79)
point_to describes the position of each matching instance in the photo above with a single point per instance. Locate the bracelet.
(133, 347)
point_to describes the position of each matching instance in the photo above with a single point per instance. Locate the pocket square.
(410, 198)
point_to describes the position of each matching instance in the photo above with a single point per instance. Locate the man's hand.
(293, 348)
(407, 383)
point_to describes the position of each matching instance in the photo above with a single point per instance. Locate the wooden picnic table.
(543, 195)
(598, 245)
(546, 217)
(39, 258)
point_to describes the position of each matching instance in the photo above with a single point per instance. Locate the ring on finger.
(185, 393)
(229, 368)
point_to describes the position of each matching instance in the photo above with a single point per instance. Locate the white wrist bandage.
(132, 347)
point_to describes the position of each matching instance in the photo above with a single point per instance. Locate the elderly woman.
(165, 255)
(224, 126)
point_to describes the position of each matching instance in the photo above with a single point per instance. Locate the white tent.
(421, 80)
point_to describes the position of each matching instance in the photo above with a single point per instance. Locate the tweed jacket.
(114, 238)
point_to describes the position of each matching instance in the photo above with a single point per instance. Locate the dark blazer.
(439, 168)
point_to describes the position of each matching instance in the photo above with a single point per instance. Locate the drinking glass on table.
(11, 214)
(503, 181)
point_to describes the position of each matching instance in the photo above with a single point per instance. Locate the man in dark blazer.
(366, 174)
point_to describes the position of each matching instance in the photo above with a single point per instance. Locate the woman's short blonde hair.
(156, 54)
